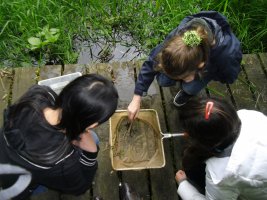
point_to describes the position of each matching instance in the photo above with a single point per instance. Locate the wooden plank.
(49, 71)
(242, 96)
(178, 144)
(24, 78)
(106, 180)
(258, 79)
(124, 82)
(219, 90)
(68, 69)
(263, 58)
(6, 80)
(104, 69)
(106, 183)
(91, 69)
(173, 124)
(163, 185)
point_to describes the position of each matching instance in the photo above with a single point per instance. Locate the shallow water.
(123, 48)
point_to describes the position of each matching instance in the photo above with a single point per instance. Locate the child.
(202, 48)
(51, 136)
(232, 144)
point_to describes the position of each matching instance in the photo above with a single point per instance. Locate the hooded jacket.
(224, 59)
(243, 174)
(29, 141)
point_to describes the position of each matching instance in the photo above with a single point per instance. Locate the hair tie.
(191, 38)
(208, 109)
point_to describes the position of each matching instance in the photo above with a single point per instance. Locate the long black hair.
(88, 99)
(212, 135)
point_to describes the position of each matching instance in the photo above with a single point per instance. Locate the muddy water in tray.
(137, 145)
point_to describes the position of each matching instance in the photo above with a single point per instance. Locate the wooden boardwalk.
(248, 92)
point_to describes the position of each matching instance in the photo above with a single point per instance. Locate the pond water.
(121, 49)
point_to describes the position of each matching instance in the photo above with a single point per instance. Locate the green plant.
(148, 22)
(44, 38)
(42, 42)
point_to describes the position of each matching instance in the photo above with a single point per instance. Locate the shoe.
(181, 98)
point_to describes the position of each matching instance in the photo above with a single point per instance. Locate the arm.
(147, 74)
(185, 189)
(89, 148)
(217, 186)
(80, 168)
(144, 80)
(134, 107)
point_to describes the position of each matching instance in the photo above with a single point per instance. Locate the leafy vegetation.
(26, 38)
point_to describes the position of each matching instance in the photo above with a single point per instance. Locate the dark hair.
(178, 59)
(86, 100)
(215, 133)
(37, 98)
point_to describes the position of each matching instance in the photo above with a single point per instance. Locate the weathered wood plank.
(173, 124)
(68, 69)
(242, 96)
(217, 89)
(106, 181)
(49, 71)
(258, 80)
(263, 57)
(24, 78)
(124, 82)
(178, 144)
(163, 187)
(162, 181)
(104, 69)
(5, 83)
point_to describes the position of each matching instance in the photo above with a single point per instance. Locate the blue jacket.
(224, 60)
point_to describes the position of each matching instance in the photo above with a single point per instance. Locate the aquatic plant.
(148, 22)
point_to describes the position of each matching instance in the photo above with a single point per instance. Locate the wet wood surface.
(249, 91)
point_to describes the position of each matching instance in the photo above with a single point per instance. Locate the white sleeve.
(188, 192)
(216, 182)
(217, 192)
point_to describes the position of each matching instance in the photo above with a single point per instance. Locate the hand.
(134, 107)
(180, 176)
(86, 142)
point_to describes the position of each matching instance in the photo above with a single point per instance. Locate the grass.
(147, 21)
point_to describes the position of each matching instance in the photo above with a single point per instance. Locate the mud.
(137, 145)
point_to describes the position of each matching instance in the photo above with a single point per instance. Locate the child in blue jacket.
(202, 48)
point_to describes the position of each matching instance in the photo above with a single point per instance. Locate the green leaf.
(54, 31)
(34, 41)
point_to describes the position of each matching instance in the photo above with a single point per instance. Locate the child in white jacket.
(234, 147)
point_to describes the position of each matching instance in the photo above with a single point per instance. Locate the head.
(88, 100)
(214, 131)
(181, 57)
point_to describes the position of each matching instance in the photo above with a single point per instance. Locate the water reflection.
(121, 49)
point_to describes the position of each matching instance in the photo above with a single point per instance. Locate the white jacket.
(243, 175)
